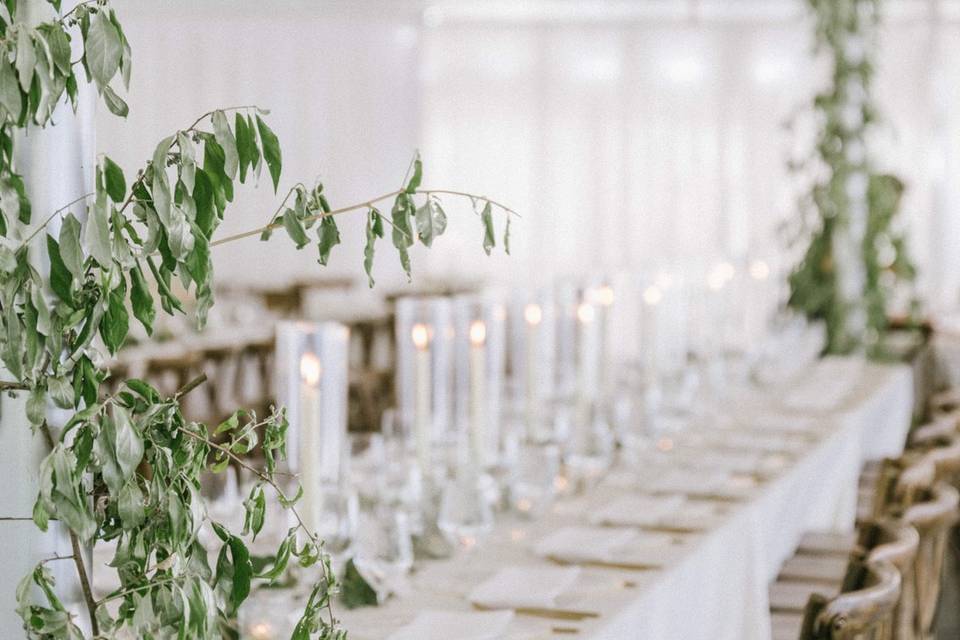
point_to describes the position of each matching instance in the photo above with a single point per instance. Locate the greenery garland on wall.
(126, 466)
(855, 257)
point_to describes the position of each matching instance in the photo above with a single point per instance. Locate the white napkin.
(688, 481)
(464, 625)
(586, 544)
(637, 511)
(694, 514)
(520, 587)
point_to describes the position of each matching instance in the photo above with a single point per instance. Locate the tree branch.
(368, 204)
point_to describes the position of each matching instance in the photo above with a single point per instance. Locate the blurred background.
(627, 134)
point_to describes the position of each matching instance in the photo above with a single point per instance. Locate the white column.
(57, 165)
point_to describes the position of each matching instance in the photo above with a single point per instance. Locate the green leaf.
(130, 504)
(9, 89)
(97, 234)
(61, 392)
(271, 151)
(506, 234)
(8, 261)
(280, 562)
(115, 103)
(59, 44)
(141, 300)
(60, 278)
(26, 57)
(37, 406)
(431, 221)
(221, 130)
(328, 237)
(234, 570)
(489, 235)
(402, 233)
(247, 150)
(115, 322)
(70, 249)
(114, 181)
(203, 201)
(417, 176)
(374, 231)
(355, 590)
(294, 227)
(160, 187)
(102, 49)
(40, 516)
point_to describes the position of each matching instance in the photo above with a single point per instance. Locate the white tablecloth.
(714, 585)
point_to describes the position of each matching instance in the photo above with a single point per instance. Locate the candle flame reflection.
(585, 313)
(310, 369)
(420, 336)
(478, 333)
(533, 314)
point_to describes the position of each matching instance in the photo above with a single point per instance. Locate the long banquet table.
(712, 583)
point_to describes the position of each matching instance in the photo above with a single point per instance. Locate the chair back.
(862, 611)
(932, 515)
(895, 542)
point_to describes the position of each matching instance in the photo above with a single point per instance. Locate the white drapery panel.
(643, 139)
(626, 133)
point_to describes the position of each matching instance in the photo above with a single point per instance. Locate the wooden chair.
(932, 515)
(863, 610)
(887, 541)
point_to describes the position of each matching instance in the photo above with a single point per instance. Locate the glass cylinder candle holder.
(311, 381)
(567, 300)
(425, 340)
(533, 357)
(480, 322)
(599, 293)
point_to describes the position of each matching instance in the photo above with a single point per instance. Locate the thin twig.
(277, 225)
(368, 204)
(210, 113)
(142, 587)
(56, 557)
(13, 386)
(470, 195)
(190, 386)
(82, 575)
(52, 216)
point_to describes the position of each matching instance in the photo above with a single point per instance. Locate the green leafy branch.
(839, 159)
(126, 466)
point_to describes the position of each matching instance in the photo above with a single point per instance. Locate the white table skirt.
(713, 587)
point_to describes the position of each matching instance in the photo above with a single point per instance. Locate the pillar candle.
(478, 424)
(309, 412)
(532, 315)
(420, 335)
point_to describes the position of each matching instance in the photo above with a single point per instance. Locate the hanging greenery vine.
(126, 466)
(855, 255)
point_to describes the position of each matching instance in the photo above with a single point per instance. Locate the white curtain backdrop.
(642, 135)
(628, 134)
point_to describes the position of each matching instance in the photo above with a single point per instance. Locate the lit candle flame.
(533, 314)
(310, 369)
(478, 333)
(585, 313)
(759, 270)
(261, 631)
(420, 336)
(603, 295)
(652, 295)
(720, 275)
